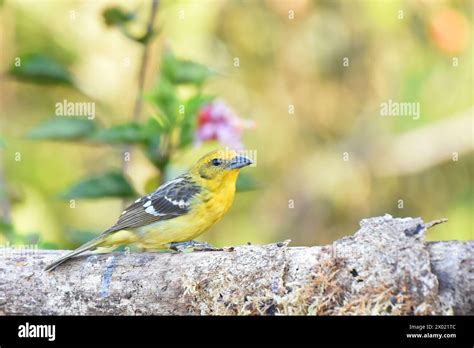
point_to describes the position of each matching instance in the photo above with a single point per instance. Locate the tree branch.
(384, 268)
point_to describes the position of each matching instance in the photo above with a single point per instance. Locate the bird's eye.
(216, 162)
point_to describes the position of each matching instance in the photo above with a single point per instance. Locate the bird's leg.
(181, 246)
(205, 246)
(197, 246)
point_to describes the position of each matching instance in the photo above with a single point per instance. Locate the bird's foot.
(197, 246)
(205, 246)
(181, 246)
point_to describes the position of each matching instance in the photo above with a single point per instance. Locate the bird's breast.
(216, 204)
(206, 209)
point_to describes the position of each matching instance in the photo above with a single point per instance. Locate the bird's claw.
(206, 247)
(196, 246)
(181, 246)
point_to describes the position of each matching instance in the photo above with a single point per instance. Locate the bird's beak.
(239, 162)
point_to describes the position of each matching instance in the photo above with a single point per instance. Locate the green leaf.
(155, 126)
(154, 130)
(246, 183)
(195, 103)
(166, 100)
(181, 71)
(190, 72)
(111, 184)
(62, 128)
(114, 16)
(117, 17)
(131, 133)
(41, 69)
(152, 151)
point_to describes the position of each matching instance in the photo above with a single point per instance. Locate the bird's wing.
(170, 200)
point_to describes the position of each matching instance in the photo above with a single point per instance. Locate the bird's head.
(219, 166)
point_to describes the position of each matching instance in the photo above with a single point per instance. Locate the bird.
(176, 212)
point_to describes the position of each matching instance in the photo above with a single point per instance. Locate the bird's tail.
(94, 243)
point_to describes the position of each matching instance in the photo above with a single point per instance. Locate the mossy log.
(384, 268)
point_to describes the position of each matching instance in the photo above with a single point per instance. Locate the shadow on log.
(384, 268)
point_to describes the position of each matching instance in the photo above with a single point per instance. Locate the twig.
(137, 108)
(435, 222)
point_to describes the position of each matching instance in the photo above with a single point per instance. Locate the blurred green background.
(312, 75)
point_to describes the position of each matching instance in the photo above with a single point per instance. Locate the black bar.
(103, 330)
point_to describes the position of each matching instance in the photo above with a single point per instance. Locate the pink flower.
(216, 121)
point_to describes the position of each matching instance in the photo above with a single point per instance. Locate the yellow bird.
(178, 211)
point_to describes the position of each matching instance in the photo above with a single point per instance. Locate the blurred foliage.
(168, 130)
(173, 125)
(62, 129)
(41, 69)
(279, 62)
(112, 184)
(130, 133)
(177, 71)
(121, 19)
(115, 16)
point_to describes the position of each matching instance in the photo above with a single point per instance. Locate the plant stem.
(137, 108)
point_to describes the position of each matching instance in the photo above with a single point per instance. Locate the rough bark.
(384, 268)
